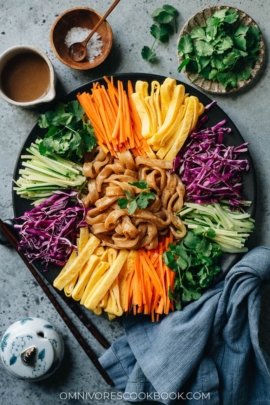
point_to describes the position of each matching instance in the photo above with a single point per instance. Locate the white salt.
(78, 34)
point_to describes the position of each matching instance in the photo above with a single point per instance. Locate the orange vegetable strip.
(130, 132)
(121, 107)
(148, 266)
(128, 288)
(103, 114)
(142, 279)
(160, 307)
(140, 309)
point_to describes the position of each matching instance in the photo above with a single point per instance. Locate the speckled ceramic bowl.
(199, 19)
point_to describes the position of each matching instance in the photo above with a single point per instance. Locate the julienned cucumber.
(42, 175)
(230, 229)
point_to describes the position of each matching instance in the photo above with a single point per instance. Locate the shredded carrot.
(114, 117)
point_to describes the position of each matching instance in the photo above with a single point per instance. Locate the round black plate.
(215, 115)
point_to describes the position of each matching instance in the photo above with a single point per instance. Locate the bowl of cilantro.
(221, 49)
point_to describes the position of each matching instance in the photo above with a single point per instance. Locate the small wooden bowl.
(82, 17)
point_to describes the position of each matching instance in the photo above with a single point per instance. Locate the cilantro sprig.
(166, 25)
(222, 50)
(195, 262)
(70, 134)
(140, 201)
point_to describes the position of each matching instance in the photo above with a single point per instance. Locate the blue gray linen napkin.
(207, 353)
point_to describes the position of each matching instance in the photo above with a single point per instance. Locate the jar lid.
(28, 355)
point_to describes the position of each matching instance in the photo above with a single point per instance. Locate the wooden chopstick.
(85, 321)
(90, 353)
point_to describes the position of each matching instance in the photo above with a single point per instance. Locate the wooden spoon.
(77, 51)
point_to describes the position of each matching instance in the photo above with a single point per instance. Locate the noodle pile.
(110, 178)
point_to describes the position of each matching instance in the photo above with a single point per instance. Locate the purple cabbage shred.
(49, 231)
(210, 170)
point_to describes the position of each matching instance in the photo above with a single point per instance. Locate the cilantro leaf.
(185, 45)
(227, 43)
(198, 33)
(69, 134)
(243, 75)
(241, 30)
(155, 31)
(254, 32)
(217, 62)
(164, 17)
(220, 13)
(170, 9)
(227, 79)
(231, 58)
(132, 207)
(123, 203)
(231, 16)
(156, 12)
(241, 42)
(139, 184)
(203, 48)
(148, 54)
(195, 263)
(143, 199)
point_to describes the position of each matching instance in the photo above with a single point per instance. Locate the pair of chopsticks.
(13, 240)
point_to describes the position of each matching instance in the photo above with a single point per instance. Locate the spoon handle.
(100, 22)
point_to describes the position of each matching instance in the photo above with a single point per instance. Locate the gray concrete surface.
(29, 22)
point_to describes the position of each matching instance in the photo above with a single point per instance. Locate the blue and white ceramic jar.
(31, 349)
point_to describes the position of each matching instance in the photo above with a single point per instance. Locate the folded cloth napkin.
(208, 353)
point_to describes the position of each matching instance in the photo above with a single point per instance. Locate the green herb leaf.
(203, 48)
(241, 31)
(185, 45)
(68, 135)
(198, 33)
(123, 203)
(194, 261)
(231, 16)
(243, 75)
(142, 184)
(171, 10)
(132, 207)
(143, 199)
(156, 12)
(220, 14)
(183, 64)
(155, 31)
(231, 58)
(148, 54)
(227, 79)
(227, 43)
(164, 17)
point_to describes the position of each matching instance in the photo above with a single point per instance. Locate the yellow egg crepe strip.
(94, 281)
(184, 130)
(171, 116)
(66, 276)
(84, 277)
(114, 306)
(166, 91)
(143, 113)
(106, 282)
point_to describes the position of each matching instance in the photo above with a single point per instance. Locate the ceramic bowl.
(15, 52)
(199, 19)
(81, 17)
(31, 349)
